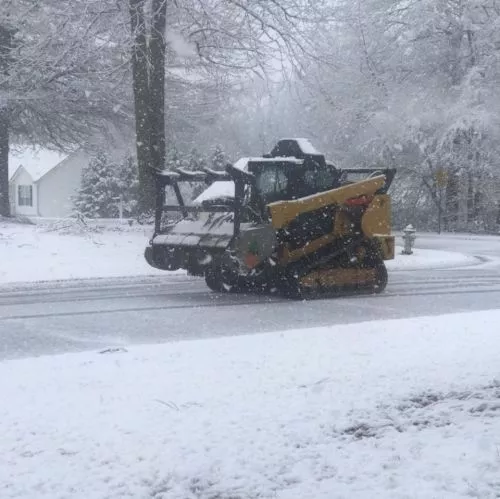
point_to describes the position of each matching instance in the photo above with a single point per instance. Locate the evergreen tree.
(100, 189)
(218, 158)
(195, 160)
(173, 159)
(128, 183)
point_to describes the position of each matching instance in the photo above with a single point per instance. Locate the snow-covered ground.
(63, 250)
(428, 259)
(389, 409)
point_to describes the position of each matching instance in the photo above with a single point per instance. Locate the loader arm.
(283, 212)
(341, 217)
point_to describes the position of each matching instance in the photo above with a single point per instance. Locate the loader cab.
(293, 169)
(288, 179)
(304, 167)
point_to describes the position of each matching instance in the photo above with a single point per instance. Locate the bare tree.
(227, 36)
(412, 83)
(61, 76)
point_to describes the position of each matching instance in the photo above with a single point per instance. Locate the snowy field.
(389, 409)
(64, 250)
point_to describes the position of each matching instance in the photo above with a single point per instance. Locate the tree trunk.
(157, 84)
(5, 61)
(142, 103)
(455, 59)
(4, 162)
(470, 199)
(441, 220)
(452, 200)
(148, 72)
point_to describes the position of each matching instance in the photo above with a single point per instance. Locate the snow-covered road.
(447, 274)
(471, 244)
(73, 316)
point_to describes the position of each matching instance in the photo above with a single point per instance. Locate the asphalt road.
(97, 314)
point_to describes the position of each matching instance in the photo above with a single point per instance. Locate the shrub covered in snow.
(106, 187)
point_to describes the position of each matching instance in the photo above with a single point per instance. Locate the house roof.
(36, 161)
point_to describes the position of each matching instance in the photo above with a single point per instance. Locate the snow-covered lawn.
(393, 409)
(63, 251)
(53, 251)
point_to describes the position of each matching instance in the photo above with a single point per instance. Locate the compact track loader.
(288, 222)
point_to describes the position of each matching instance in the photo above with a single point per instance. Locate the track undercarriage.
(362, 271)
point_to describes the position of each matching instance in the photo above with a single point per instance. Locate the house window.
(25, 195)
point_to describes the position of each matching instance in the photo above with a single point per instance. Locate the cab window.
(272, 184)
(320, 179)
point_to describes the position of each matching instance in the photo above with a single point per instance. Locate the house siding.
(22, 177)
(57, 188)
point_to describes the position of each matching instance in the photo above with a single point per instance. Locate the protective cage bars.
(207, 176)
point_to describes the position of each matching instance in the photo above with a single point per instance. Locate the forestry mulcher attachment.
(288, 222)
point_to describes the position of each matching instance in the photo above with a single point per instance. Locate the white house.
(42, 182)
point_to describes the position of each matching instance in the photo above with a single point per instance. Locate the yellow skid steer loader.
(288, 221)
